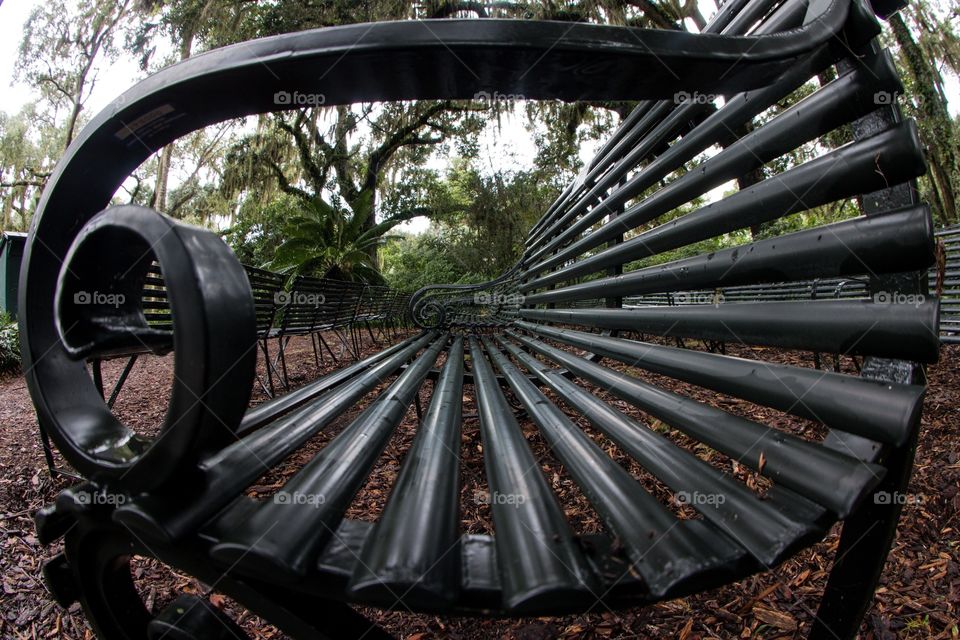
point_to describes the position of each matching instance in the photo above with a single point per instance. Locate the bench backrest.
(671, 204)
(308, 304)
(949, 286)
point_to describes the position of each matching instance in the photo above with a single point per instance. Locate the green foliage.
(258, 230)
(480, 233)
(560, 130)
(413, 261)
(926, 42)
(27, 151)
(9, 344)
(61, 43)
(320, 240)
(493, 214)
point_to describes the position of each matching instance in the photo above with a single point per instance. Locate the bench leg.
(96, 570)
(345, 343)
(97, 374)
(121, 380)
(355, 339)
(47, 450)
(283, 363)
(323, 343)
(266, 360)
(419, 408)
(313, 343)
(52, 468)
(370, 332)
(864, 543)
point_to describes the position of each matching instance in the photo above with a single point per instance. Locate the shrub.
(9, 344)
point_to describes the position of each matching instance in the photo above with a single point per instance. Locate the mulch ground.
(917, 598)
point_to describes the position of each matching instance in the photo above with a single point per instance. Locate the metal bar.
(849, 96)
(867, 165)
(892, 242)
(328, 482)
(266, 360)
(538, 559)
(226, 473)
(831, 479)
(122, 379)
(883, 412)
(767, 532)
(95, 366)
(851, 327)
(414, 550)
(647, 114)
(272, 409)
(665, 553)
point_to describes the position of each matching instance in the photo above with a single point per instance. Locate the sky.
(508, 146)
(13, 95)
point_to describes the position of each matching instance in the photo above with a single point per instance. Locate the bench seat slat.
(284, 537)
(883, 412)
(538, 558)
(272, 409)
(889, 243)
(666, 555)
(758, 526)
(833, 480)
(414, 548)
(851, 327)
(235, 467)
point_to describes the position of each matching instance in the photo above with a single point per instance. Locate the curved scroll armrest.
(440, 305)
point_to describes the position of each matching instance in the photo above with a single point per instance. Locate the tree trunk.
(23, 208)
(7, 210)
(369, 223)
(72, 123)
(750, 178)
(166, 156)
(159, 200)
(936, 123)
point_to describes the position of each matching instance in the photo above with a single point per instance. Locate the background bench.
(949, 287)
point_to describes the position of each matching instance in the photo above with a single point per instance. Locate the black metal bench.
(309, 307)
(296, 559)
(945, 280)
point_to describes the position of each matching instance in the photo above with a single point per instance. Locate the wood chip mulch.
(917, 598)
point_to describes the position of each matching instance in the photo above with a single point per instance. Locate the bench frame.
(93, 568)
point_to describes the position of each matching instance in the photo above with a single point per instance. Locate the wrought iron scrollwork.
(102, 309)
(486, 304)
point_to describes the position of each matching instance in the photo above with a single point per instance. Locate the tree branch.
(404, 136)
(282, 181)
(302, 143)
(21, 183)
